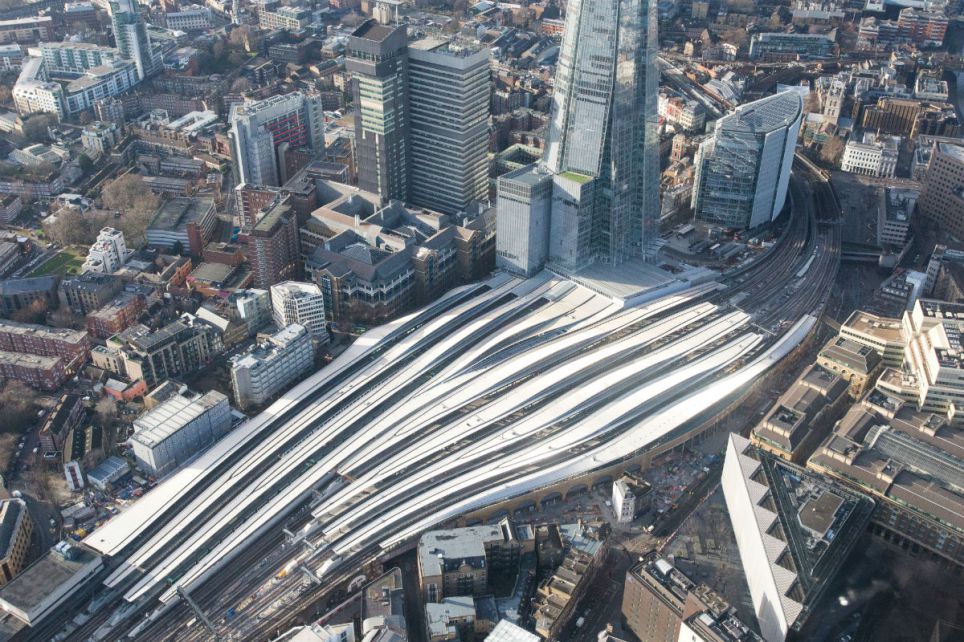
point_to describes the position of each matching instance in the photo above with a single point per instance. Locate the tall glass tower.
(604, 131)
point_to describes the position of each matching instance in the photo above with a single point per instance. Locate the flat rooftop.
(373, 31)
(818, 514)
(42, 331)
(171, 415)
(626, 281)
(177, 213)
(459, 543)
(884, 328)
(955, 151)
(40, 581)
(25, 360)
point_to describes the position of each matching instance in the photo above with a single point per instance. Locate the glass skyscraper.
(743, 169)
(603, 140)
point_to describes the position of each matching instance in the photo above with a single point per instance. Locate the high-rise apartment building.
(130, 34)
(449, 88)
(301, 303)
(377, 59)
(272, 245)
(603, 131)
(263, 131)
(743, 169)
(942, 199)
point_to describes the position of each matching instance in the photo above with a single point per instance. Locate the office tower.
(522, 226)
(378, 61)
(942, 199)
(603, 131)
(743, 169)
(794, 529)
(449, 90)
(130, 33)
(263, 131)
(301, 303)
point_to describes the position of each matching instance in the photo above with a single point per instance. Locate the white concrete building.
(99, 137)
(794, 529)
(270, 367)
(933, 373)
(11, 57)
(254, 307)
(76, 57)
(108, 253)
(301, 303)
(291, 18)
(872, 156)
(190, 18)
(33, 93)
(624, 502)
(179, 428)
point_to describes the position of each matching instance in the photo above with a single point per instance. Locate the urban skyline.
(561, 321)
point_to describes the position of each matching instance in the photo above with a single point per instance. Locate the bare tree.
(70, 227)
(35, 127)
(18, 405)
(64, 317)
(832, 150)
(105, 411)
(240, 85)
(36, 312)
(136, 204)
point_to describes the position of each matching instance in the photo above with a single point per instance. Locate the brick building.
(118, 315)
(272, 246)
(73, 346)
(44, 373)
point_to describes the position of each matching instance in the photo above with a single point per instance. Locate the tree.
(69, 227)
(136, 204)
(811, 104)
(18, 406)
(239, 37)
(6, 94)
(85, 163)
(36, 126)
(105, 410)
(64, 317)
(832, 150)
(240, 85)
(36, 312)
